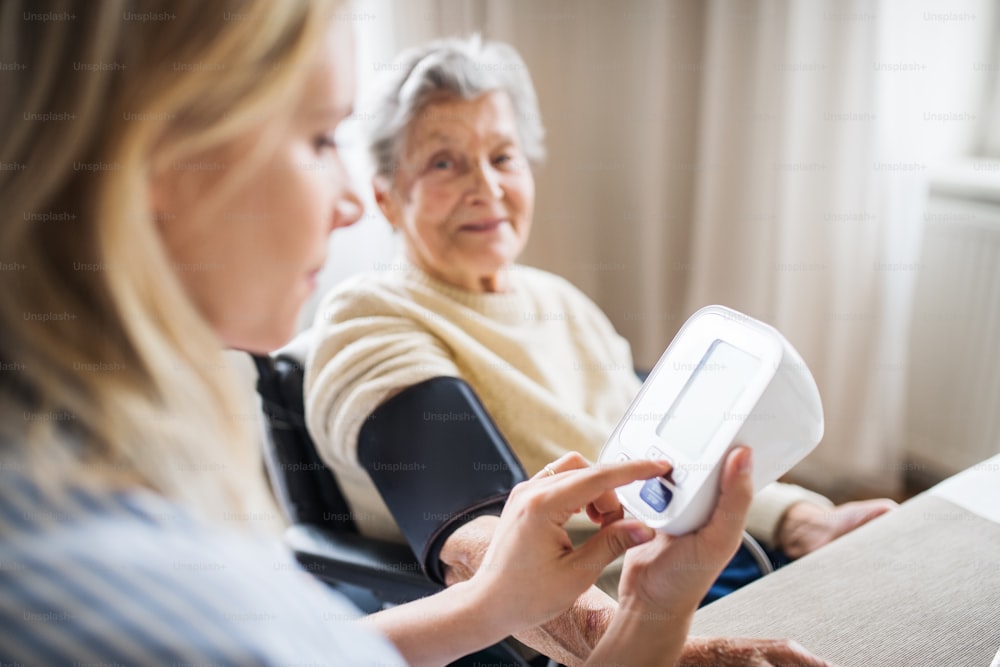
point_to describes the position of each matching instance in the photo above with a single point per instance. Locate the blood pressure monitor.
(726, 378)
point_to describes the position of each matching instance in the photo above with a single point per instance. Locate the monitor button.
(655, 494)
(654, 453)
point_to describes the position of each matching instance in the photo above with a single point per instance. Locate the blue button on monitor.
(656, 495)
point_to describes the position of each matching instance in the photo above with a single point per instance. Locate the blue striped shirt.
(131, 579)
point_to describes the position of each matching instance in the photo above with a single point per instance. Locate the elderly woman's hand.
(741, 652)
(532, 564)
(807, 527)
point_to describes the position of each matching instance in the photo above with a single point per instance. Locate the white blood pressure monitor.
(726, 378)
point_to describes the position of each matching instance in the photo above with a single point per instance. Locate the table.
(918, 586)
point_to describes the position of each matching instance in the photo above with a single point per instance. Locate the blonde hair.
(111, 376)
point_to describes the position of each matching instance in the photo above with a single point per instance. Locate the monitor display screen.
(707, 398)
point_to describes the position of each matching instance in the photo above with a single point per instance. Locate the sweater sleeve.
(368, 345)
(769, 507)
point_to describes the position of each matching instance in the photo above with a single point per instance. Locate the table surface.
(918, 586)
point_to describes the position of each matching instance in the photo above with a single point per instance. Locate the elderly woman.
(457, 128)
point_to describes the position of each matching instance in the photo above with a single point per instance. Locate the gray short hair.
(463, 68)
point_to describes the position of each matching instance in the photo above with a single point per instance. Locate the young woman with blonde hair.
(169, 179)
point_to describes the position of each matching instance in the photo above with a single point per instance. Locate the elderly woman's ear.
(385, 201)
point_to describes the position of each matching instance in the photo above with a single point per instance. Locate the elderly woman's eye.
(503, 158)
(441, 163)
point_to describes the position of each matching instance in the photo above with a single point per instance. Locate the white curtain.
(822, 122)
(767, 155)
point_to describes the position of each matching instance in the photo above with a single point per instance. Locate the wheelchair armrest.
(388, 569)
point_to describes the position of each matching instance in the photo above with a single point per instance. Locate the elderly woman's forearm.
(570, 638)
(646, 637)
(463, 551)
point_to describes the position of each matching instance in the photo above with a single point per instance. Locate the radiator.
(953, 398)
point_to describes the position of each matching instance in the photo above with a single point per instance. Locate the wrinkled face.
(248, 253)
(464, 195)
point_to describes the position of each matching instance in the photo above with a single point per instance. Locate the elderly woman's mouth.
(483, 225)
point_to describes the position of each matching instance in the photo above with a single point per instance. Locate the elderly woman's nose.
(486, 181)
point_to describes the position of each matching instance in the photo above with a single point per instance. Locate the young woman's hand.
(531, 565)
(531, 572)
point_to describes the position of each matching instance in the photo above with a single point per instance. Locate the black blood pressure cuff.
(438, 461)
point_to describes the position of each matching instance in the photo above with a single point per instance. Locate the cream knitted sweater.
(545, 361)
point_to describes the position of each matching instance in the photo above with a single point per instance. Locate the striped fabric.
(131, 579)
